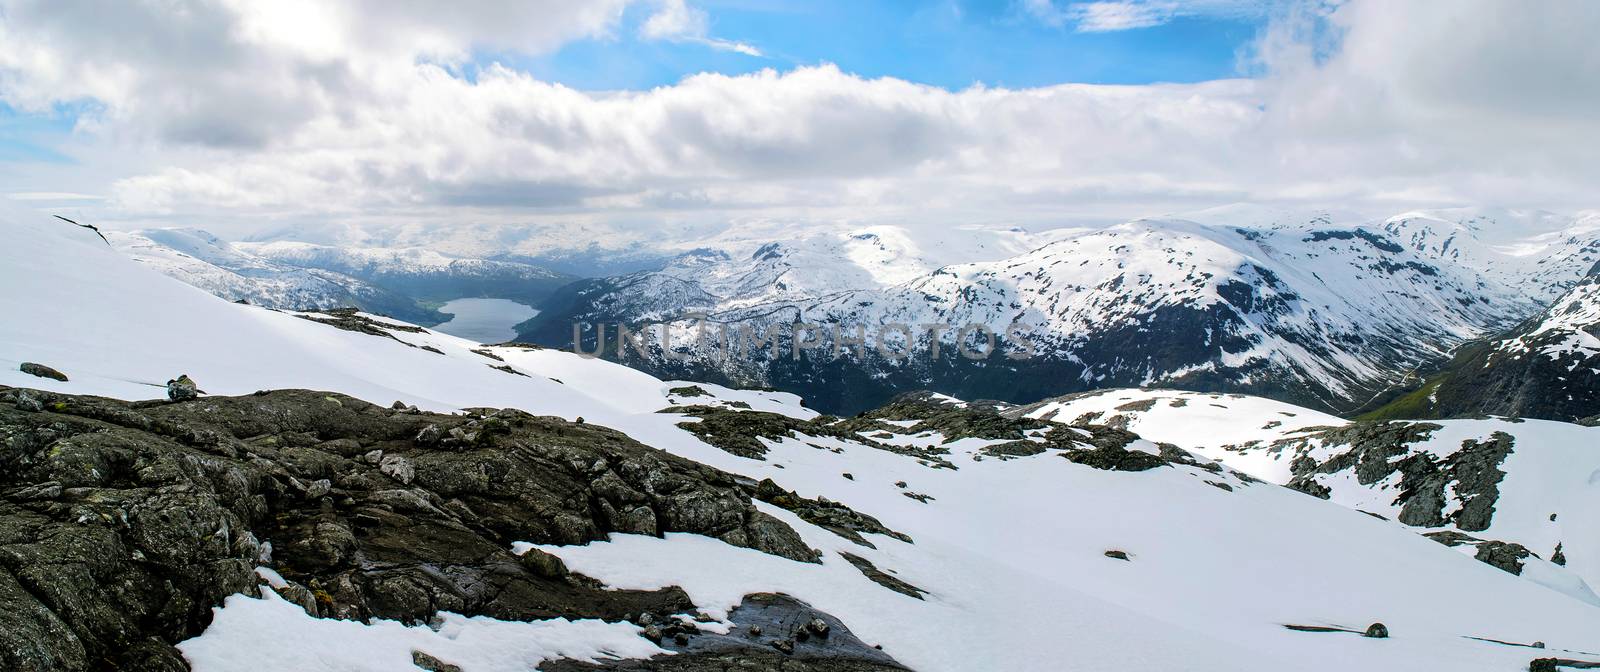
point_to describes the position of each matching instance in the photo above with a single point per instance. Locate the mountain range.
(1340, 316)
(520, 507)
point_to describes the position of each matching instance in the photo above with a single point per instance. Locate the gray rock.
(398, 468)
(430, 663)
(42, 371)
(27, 402)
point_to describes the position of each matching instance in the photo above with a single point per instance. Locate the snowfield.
(1011, 553)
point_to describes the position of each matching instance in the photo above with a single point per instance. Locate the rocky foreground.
(122, 524)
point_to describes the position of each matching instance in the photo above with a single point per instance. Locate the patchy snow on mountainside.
(1207, 423)
(1569, 328)
(1533, 483)
(1541, 253)
(1057, 548)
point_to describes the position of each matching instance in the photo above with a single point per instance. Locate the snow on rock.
(270, 633)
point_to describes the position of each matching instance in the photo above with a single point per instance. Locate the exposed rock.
(771, 632)
(882, 578)
(1376, 631)
(1117, 555)
(1376, 451)
(432, 664)
(832, 516)
(1115, 459)
(1505, 555)
(397, 468)
(42, 371)
(135, 519)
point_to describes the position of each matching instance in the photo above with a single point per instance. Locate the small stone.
(429, 435)
(431, 664)
(681, 639)
(900, 484)
(1117, 555)
(1537, 645)
(373, 457)
(645, 618)
(818, 627)
(755, 631)
(652, 633)
(847, 475)
(398, 468)
(42, 371)
(544, 564)
(319, 488)
(398, 406)
(784, 645)
(1376, 631)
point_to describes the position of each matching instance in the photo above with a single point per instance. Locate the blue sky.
(952, 44)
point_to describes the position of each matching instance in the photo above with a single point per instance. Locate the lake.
(484, 320)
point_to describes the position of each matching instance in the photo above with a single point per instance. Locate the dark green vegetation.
(122, 524)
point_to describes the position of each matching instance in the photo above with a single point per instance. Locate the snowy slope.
(1011, 552)
(1543, 493)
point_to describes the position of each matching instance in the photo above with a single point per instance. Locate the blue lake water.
(484, 320)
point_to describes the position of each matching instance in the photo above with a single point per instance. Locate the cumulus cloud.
(1367, 104)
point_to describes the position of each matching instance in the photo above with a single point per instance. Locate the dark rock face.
(1378, 450)
(123, 524)
(772, 632)
(42, 371)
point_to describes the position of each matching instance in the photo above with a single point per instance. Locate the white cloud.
(1095, 17)
(1113, 15)
(676, 21)
(1464, 102)
(50, 196)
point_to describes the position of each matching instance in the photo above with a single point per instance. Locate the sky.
(241, 116)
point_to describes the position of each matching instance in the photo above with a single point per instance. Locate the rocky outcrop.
(1466, 482)
(123, 524)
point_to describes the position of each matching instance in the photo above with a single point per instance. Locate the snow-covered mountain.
(222, 268)
(952, 537)
(1547, 367)
(1305, 309)
(419, 273)
(401, 283)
